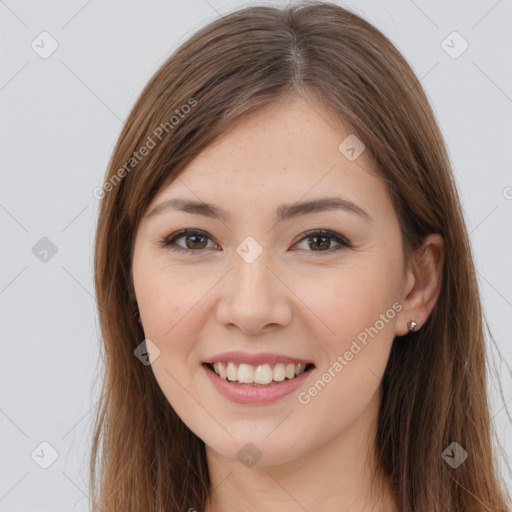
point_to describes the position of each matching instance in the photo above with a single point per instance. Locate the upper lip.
(255, 359)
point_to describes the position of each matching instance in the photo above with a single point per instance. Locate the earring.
(412, 325)
(137, 315)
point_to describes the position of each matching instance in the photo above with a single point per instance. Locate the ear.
(422, 284)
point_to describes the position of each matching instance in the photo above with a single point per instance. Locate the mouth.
(261, 375)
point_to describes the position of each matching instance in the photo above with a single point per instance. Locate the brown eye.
(320, 241)
(195, 241)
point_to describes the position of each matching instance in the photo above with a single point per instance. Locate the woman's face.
(254, 286)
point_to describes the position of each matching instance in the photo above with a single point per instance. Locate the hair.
(434, 390)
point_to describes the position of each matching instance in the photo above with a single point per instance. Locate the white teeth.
(245, 374)
(262, 374)
(290, 371)
(279, 372)
(232, 372)
(222, 370)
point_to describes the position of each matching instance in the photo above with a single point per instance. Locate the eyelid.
(340, 239)
(169, 240)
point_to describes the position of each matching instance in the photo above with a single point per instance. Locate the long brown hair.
(434, 388)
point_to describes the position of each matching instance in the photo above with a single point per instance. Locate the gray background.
(60, 119)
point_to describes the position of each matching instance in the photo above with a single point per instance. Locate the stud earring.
(137, 315)
(412, 325)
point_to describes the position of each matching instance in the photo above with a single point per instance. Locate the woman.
(287, 295)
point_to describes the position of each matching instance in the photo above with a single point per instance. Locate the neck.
(335, 476)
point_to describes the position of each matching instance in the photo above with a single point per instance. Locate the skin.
(299, 297)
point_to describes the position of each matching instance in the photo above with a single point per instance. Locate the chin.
(259, 449)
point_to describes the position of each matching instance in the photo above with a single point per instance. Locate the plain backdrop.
(60, 117)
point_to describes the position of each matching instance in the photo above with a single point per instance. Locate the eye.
(196, 240)
(322, 238)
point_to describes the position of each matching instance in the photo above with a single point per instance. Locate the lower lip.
(255, 395)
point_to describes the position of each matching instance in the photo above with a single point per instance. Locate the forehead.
(284, 153)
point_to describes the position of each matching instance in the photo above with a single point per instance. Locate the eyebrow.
(284, 211)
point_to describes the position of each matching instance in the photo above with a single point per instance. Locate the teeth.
(290, 371)
(246, 374)
(231, 372)
(279, 373)
(261, 374)
(222, 371)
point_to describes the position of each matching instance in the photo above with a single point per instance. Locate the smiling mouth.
(258, 375)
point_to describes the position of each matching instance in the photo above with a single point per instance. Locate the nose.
(254, 299)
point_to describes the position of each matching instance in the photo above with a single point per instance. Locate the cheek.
(165, 295)
(354, 358)
(349, 299)
(170, 320)
(161, 298)
(174, 305)
(356, 310)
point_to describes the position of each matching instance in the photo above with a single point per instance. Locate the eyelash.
(169, 242)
